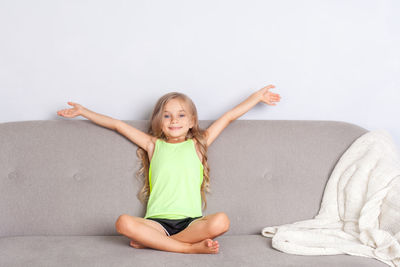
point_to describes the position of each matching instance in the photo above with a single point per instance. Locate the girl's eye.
(166, 116)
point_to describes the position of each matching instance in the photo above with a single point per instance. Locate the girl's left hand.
(268, 97)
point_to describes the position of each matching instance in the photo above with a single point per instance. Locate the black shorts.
(174, 226)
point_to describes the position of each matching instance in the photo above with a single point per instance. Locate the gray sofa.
(64, 183)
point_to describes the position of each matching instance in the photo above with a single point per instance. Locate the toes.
(136, 245)
(214, 250)
(212, 245)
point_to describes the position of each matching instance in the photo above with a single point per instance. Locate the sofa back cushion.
(73, 177)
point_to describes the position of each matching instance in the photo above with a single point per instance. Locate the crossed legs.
(196, 238)
(209, 226)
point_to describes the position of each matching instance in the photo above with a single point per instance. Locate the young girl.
(174, 157)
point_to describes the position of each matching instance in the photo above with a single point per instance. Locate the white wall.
(329, 60)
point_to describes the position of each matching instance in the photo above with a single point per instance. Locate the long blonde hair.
(155, 129)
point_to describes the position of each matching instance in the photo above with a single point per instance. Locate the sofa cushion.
(107, 251)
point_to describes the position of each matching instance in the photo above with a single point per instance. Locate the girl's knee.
(225, 221)
(220, 223)
(123, 223)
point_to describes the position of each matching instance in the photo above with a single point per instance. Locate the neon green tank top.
(175, 178)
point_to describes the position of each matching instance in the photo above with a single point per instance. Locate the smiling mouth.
(174, 128)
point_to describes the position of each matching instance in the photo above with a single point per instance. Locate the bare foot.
(207, 246)
(136, 244)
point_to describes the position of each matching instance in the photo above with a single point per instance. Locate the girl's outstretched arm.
(219, 125)
(138, 137)
(262, 95)
(79, 110)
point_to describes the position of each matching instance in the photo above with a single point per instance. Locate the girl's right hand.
(71, 112)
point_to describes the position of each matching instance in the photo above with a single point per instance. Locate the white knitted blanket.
(360, 209)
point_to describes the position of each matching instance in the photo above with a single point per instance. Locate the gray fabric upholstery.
(109, 251)
(63, 184)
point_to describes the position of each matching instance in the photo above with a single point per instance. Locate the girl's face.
(176, 120)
